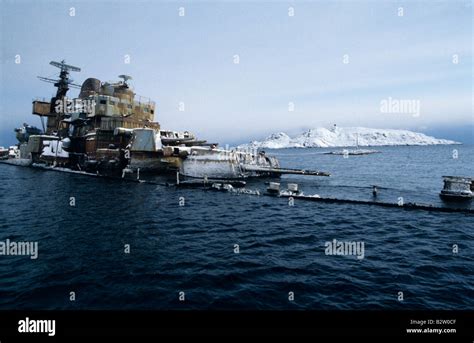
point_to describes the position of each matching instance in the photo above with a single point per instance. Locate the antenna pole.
(63, 87)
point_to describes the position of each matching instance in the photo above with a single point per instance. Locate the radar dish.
(63, 66)
(125, 78)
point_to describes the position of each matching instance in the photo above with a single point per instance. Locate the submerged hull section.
(153, 162)
(212, 166)
(21, 162)
(226, 164)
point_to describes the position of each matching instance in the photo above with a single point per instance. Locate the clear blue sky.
(283, 59)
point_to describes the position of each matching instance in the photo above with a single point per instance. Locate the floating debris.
(457, 188)
(408, 206)
(292, 190)
(209, 183)
(273, 188)
(352, 152)
(229, 188)
(375, 191)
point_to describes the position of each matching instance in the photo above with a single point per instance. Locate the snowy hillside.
(346, 137)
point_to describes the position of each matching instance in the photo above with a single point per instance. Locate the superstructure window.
(103, 102)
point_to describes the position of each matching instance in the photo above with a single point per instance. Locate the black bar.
(241, 323)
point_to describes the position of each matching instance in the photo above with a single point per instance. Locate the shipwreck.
(109, 129)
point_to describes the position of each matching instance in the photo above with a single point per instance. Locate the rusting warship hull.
(109, 129)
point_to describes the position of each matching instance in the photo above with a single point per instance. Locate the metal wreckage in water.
(109, 130)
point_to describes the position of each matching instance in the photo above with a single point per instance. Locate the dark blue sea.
(190, 248)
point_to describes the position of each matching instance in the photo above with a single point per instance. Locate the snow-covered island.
(346, 137)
